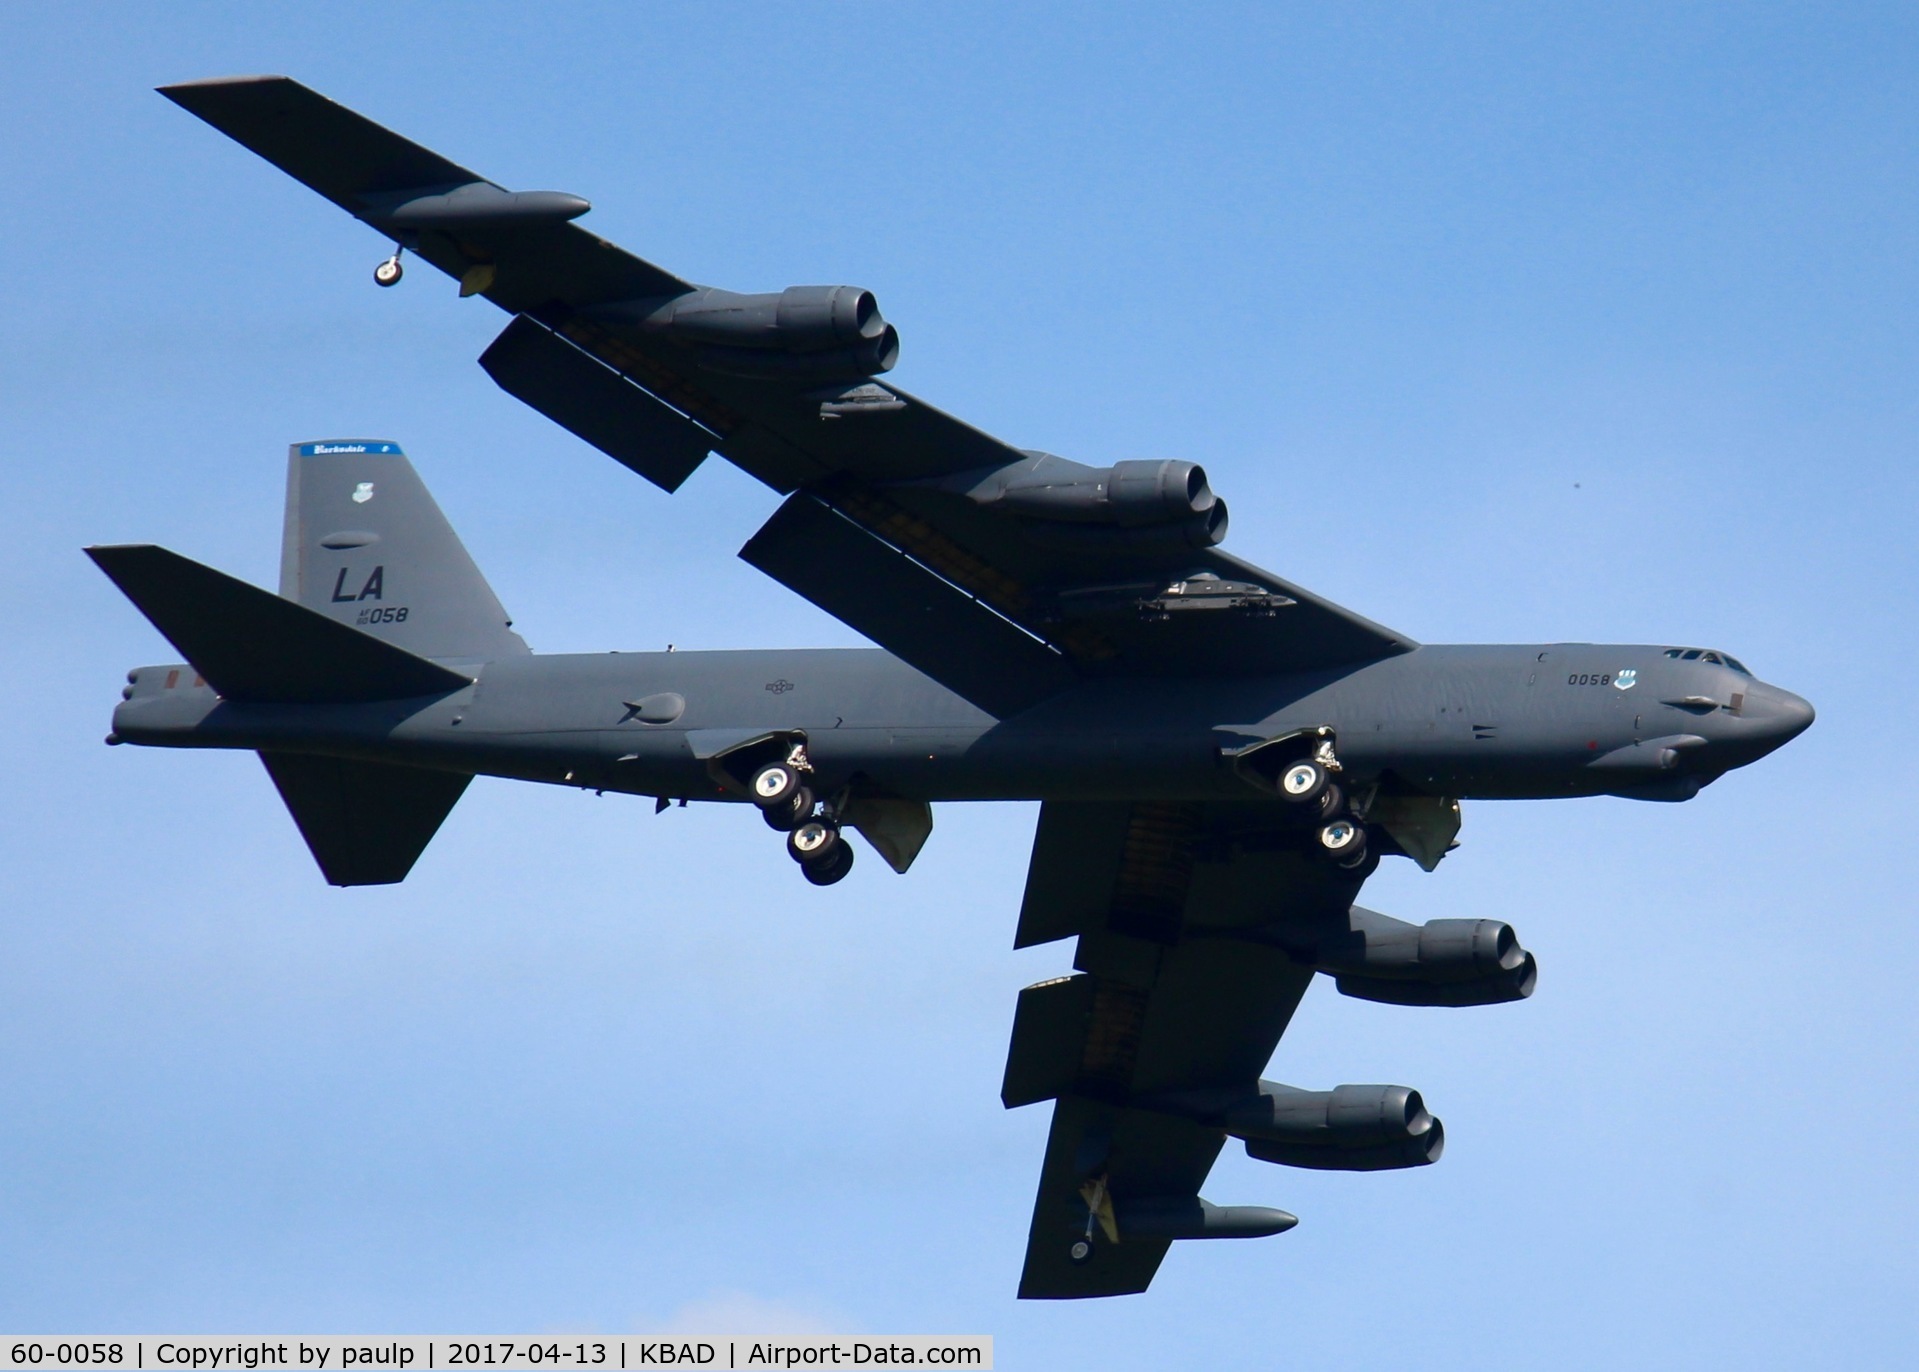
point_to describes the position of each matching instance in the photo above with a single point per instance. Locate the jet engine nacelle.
(1346, 1129)
(820, 332)
(1131, 494)
(1442, 962)
(1146, 501)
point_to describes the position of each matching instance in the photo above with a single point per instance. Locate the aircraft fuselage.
(1529, 721)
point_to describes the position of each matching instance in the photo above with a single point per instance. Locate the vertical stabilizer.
(366, 822)
(366, 545)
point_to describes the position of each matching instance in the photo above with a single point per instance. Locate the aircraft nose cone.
(1777, 716)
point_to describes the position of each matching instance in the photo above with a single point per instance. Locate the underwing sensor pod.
(820, 332)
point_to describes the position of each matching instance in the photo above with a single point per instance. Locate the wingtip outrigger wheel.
(389, 272)
(1099, 1216)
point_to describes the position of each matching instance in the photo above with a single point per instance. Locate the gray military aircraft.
(1221, 757)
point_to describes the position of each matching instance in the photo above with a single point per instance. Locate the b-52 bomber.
(1221, 757)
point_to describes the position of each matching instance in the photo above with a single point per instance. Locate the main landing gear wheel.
(1362, 867)
(1332, 801)
(1303, 782)
(814, 841)
(1080, 1253)
(790, 813)
(389, 272)
(774, 784)
(1342, 839)
(829, 869)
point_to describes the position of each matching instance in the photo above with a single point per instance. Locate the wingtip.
(172, 86)
(113, 558)
(182, 92)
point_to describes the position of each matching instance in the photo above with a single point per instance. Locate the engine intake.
(1452, 962)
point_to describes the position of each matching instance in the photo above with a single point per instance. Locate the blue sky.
(1496, 323)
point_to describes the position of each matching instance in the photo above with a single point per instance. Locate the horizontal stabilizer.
(925, 621)
(253, 646)
(366, 822)
(593, 402)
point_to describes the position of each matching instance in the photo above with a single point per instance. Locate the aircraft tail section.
(367, 546)
(375, 586)
(366, 823)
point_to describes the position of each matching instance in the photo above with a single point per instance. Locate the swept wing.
(1190, 922)
(893, 521)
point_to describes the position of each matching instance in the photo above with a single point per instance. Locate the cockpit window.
(1708, 655)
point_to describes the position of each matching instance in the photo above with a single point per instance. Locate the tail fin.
(366, 545)
(366, 823)
(251, 645)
